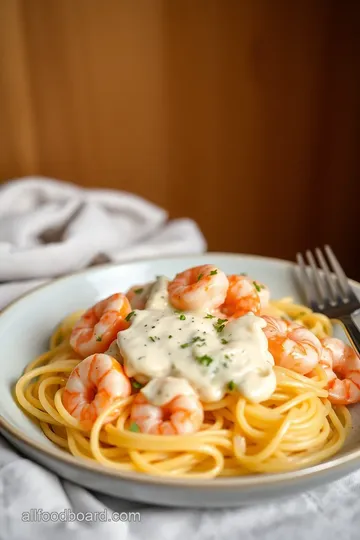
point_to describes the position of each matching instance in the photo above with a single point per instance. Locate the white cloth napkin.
(126, 227)
(49, 228)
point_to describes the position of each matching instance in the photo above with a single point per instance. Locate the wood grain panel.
(243, 115)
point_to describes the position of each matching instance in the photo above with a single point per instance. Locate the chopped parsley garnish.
(170, 336)
(128, 317)
(98, 338)
(182, 317)
(194, 340)
(213, 272)
(224, 341)
(227, 357)
(243, 274)
(134, 427)
(220, 325)
(231, 386)
(152, 338)
(209, 316)
(257, 286)
(199, 277)
(136, 385)
(139, 291)
(205, 360)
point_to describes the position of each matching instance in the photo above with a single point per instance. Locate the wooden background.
(244, 114)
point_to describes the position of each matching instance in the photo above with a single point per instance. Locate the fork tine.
(306, 282)
(339, 272)
(328, 279)
(321, 293)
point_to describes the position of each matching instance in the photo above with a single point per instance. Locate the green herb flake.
(197, 338)
(152, 339)
(213, 272)
(98, 338)
(231, 386)
(220, 325)
(199, 277)
(138, 291)
(134, 427)
(257, 286)
(182, 317)
(194, 340)
(243, 274)
(208, 316)
(205, 360)
(136, 385)
(224, 341)
(128, 317)
(170, 336)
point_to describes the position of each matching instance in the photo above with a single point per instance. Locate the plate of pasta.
(188, 381)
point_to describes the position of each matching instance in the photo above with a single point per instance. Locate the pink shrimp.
(199, 288)
(99, 325)
(292, 346)
(340, 360)
(95, 383)
(241, 298)
(138, 295)
(182, 415)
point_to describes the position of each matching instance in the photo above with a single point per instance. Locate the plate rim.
(246, 481)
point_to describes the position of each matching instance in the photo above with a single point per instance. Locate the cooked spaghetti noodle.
(296, 427)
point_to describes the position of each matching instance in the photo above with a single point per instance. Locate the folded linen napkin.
(49, 228)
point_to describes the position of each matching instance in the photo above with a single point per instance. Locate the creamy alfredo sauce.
(197, 351)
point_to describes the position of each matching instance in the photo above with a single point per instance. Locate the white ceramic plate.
(25, 327)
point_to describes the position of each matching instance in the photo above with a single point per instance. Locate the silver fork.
(328, 290)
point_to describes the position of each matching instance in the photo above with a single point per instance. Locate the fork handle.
(351, 330)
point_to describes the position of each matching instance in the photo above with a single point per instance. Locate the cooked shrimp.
(344, 363)
(182, 415)
(292, 346)
(99, 325)
(199, 288)
(326, 360)
(263, 292)
(241, 298)
(93, 386)
(138, 295)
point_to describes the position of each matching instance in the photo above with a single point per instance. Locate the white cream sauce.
(188, 347)
(159, 297)
(162, 390)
